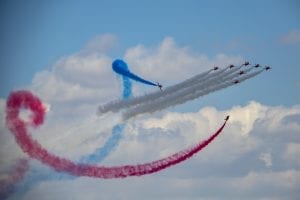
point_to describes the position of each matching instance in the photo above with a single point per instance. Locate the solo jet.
(159, 86)
(216, 68)
(227, 117)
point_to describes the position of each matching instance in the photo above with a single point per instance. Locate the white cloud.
(76, 78)
(292, 153)
(167, 59)
(248, 115)
(100, 44)
(231, 165)
(266, 158)
(254, 185)
(292, 37)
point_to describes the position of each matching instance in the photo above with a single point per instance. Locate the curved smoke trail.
(116, 135)
(24, 99)
(120, 67)
(34, 176)
(192, 88)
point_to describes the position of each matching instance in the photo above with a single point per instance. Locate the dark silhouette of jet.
(246, 63)
(227, 117)
(159, 86)
(257, 65)
(216, 68)
(231, 66)
(267, 68)
(241, 72)
(236, 81)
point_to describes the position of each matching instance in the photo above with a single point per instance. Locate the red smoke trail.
(16, 175)
(25, 99)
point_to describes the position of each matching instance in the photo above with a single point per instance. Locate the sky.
(63, 50)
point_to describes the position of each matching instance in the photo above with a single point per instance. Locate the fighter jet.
(241, 72)
(267, 68)
(159, 86)
(216, 68)
(257, 65)
(246, 63)
(231, 66)
(227, 117)
(236, 81)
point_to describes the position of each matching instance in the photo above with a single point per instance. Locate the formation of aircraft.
(243, 72)
(230, 66)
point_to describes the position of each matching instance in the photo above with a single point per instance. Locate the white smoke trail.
(211, 89)
(161, 103)
(115, 106)
(181, 98)
(119, 104)
(202, 84)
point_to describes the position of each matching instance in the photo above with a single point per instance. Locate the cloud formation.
(160, 62)
(232, 164)
(291, 38)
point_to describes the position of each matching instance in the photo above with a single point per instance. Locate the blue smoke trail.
(127, 88)
(102, 152)
(34, 176)
(120, 67)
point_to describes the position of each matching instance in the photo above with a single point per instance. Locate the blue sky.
(54, 48)
(36, 34)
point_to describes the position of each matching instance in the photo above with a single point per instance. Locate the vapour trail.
(185, 95)
(16, 175)
(127, 88)
(102, 152)
(33, 176)
(212, 82)
(115, 106)
(120, 67)
(24, 99)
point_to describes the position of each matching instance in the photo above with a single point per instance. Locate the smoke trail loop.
(35, 150)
